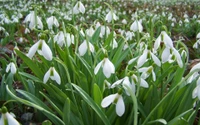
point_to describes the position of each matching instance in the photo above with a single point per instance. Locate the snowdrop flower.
(196, 45)
(52, 21)
(108, 67)
(195, 74)
(125, 81)
(146, 71)
(42, 48)
(143, 58)
(124, 21)
(8, 117)
(33, 20)
(104, 31)
(90, 31)
(79, 8)
(63, 39)
(163, 37)
(136, 26)
(11, 67)
(84, 47)
(51, 73)
(196, 91)
(111, 16)
(116, 99)
(26, 31)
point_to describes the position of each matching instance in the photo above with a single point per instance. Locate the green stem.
(135, 105)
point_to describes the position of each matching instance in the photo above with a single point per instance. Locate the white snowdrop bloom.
(33, 20)
(198, 36)
(90, 31)
(84, 47)
(146, 72)
(79, 8)
(116, 99)
(196, 44)
(129, 35)
(10, 120)
(195, 74)
(42, 48)
(52, 21)
(177, 57)
(51, 73)
(11, 67)
(163, 37)
(26, 31)
(110, 16)
(108, 67)
(142, 83)
(142, 59)
(136, 26)
(125, 81)
(63, 39)
(104, 31)
(124, 21)
(114, 44)
(196, 91)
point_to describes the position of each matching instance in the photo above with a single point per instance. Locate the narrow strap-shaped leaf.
(66, 112)
(50, 115)
(91, 103)
(35, 69)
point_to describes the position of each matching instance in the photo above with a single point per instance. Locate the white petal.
(194, 92)
(178, 58)
(142, 59)
(68, 39)
(46, 51)
(157, 43)
(108, 100)
(8, 67)
(33, 50)
(109, 17)
(116, 83)
(144, 83)
(120, 107)
(91, 47)
(197, 66)
(132, 60)
(198, 36)
(1, 121)
(108, 68)
(11, 120)
(154, 76)
(156, 60)
(56, 76)
(165, 55)
(81, 8)
(198, 92)
(96, 69)
(167, 40)
(46, 76)
(82, 48)
(13, 68)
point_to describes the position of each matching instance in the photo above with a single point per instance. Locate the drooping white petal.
(136, 26)
(91, 47)
(157, 43)
(33, 50)
(116, 83)
(46, 76)
(1, 121)
(81, 8)
(13, 68)
(198, 92)
(153, 75)
(132, 60)
(131, 85)
(178, 58)
(109, 17)
(46, 51)
(165, 55)
(198, 36)
(11, 120)
(120, 107)
(56, 76)
(108, 68)
(142, 59)
(194, 92)
(96, 69)
(8, 67)
(167, 40)
(108, 100)
(144, 83)
(82, 48)
(155, 59)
